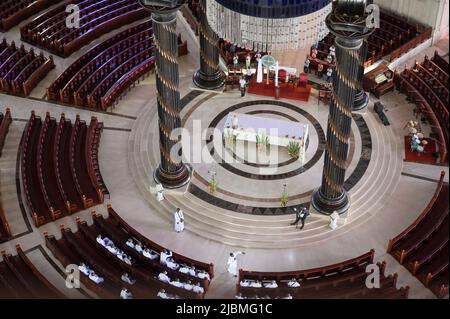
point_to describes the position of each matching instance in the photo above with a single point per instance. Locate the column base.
(327, 206)
(209, 82)
(173, 180)
(361, 101)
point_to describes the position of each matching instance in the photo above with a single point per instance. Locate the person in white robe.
(172, 264)
(232, 262)
(95, 278)
(293, 283)
(184, 269)
(256, 284)
(108, 242)
(179, 220)
(164, 255)
(177, 283)
(163, 277)
(138, 247)
(192, 271)
(259, 73)
(125, 294)
(239, 296)
(162, 294)
(130, 243)
(188, 285)
(198, 289)
(203, 275)
(100, 240)
(245, 283)
(112, 249)
(272, 284)
(126, 278)
(84, 269)
(150, 254)
(289, 296)
(159, 192)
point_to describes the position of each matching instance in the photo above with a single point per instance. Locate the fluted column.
(172, 172)
(347, 24)
(209, 76)
(361, 98)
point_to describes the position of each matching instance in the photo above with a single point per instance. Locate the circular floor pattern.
(352, 180)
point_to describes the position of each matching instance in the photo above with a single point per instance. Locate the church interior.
(241, 149)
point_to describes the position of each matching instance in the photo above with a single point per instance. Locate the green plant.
(284, 199)
(293, 149)
(213, 185)
(262, 140)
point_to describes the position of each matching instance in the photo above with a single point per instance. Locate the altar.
(258, 129)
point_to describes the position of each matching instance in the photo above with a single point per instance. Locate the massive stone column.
(347, 23)
(172, 172)
(361, 98)
(209, 76)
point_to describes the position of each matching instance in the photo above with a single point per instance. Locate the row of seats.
(425, 88)
(60, 172)
(84, 248)
(20, 279)
(394, 37)
(97, 17)
(339, 281)
(21, 70)
(5, 122)
(99, 78)
(423, 248)
(12, 12)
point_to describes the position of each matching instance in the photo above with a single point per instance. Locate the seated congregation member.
(125, 294)
(256, 284)
(163, 277)
(95, 278)
(164, 255)
(130, 243)
(289, 296)
(293, 283)
(239, 296)
(100, 240)
(112, 249)
(177, 283)
(84, 269)
(272, 284)
(202, 275)
(188, 285)
(138, 247)
(162, 294)
(127, 278)
(245, 283)
(172, 264)
(150, 254)
(198, 289)
(184, 269)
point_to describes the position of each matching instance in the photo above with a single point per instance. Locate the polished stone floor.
(387, 193)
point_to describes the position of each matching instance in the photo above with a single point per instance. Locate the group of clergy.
(188, 285)
(292, 283)
(109, 245)
(165, 295)
(240, 296)
(90, 273)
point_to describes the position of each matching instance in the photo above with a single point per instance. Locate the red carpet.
(426, 157)
(291, 93)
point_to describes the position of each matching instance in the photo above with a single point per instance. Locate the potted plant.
(213, 184)
(284, 198)
(293, 149)
(262, 142)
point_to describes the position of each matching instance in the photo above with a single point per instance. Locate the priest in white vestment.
(232, 262)
(179, 220)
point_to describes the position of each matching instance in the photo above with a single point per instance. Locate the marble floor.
(387, 193)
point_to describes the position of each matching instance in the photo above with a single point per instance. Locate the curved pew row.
(60, 171)
(423, 247)
(21, 70)
(339, 281)
(102, 75)
(97, 17)
(12, 12)
(5, 122)
(20, 279)
(109, 262)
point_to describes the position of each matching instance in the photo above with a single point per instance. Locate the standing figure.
(232, 262)
(248, 61)
(242, 84)
(320, 70)
(159, 192)
(306, 65)
(259, 73)
(179, 220)
(330, 58)
(300, 216)
(333, 51)
(329, 75)
(235, 63)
